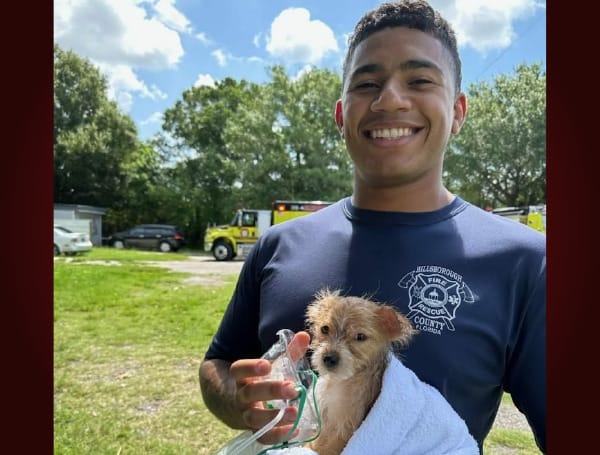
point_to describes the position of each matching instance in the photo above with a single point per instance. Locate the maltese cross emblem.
(435, 296)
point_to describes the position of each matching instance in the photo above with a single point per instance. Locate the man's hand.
(235, 392)
(253, 390)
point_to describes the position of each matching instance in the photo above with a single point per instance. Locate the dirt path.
(205, 270)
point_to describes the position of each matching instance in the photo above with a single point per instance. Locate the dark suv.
(162, 237)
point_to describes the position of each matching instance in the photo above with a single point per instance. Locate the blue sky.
(153, 50)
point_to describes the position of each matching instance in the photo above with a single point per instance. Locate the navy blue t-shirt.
(473, 284)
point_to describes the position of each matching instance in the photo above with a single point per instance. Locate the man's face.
(399, 108)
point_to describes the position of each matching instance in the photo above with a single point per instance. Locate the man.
(471, 282)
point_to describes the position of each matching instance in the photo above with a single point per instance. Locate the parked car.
(69, 242)
(162, 237)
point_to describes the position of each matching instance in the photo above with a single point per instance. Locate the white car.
(69, 242)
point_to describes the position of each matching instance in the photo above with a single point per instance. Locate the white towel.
(410, 417)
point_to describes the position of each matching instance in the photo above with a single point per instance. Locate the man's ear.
(339, 117)
(460, 113)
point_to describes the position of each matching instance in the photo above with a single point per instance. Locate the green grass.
(518, 441)
(126, 255)
(521, 442)
(128, 341)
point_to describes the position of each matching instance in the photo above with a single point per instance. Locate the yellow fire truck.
(236, 238)
(533, 216)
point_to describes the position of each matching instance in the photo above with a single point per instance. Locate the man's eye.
(365, 85)
(420, 81)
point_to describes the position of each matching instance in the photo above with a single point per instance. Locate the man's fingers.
(256, 418)
(248, 368)
(277, 434)
(266, 391)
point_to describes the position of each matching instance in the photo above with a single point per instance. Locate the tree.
(79, 91)
(92, 138)
(287, 141)
(319, 165)
(499, 157)
(246, 145)
(196, 124)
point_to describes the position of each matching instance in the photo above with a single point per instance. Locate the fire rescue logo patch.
(435, 295)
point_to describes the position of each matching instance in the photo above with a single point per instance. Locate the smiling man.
(472, 283)
(400, 105)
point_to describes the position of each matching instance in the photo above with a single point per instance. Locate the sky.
(151, 51)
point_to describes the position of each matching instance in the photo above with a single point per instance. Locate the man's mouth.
(391, 133)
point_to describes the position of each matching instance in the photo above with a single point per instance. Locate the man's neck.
(406, 198)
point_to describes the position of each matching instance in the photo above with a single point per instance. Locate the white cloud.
(121, 36)
(296, 38)
(122, 82)
(203, 38)
(256, 39)
(220, 56)
(302, 71)
(171, 17)
(155, 118)
(123, 99)
(205, 79)
(485, 24)
(115, 32)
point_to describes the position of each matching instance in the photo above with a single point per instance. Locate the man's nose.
(392, 97)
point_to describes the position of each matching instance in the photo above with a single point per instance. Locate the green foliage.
(88, 160)
(319, 165)
(78, 91)
(98, 158)
(250, 144)
(207, 176)
(92, 138)
(499, 157)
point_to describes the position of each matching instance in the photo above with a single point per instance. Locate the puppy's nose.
(331, 359)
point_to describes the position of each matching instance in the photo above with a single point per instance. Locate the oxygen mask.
(307, 425)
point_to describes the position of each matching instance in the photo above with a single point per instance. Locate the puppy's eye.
(360, 337)
(325, 329)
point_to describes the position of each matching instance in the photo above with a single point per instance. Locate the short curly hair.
(416, 14)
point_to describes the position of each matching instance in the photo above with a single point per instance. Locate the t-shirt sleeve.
(237, 335)
(526, 374)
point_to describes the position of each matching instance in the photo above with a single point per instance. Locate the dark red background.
(26, 207)
(26, 212)
(572, 210)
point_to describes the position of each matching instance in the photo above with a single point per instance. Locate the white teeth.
(391, 133)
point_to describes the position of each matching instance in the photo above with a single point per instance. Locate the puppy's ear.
(396, 326)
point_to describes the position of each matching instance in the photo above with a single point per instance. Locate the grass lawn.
(128, 341)
(513, 441)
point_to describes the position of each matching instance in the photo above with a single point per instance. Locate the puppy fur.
(350, 339)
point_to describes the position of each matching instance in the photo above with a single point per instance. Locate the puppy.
(350, 340)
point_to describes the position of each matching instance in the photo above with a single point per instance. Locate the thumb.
(298, 346)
